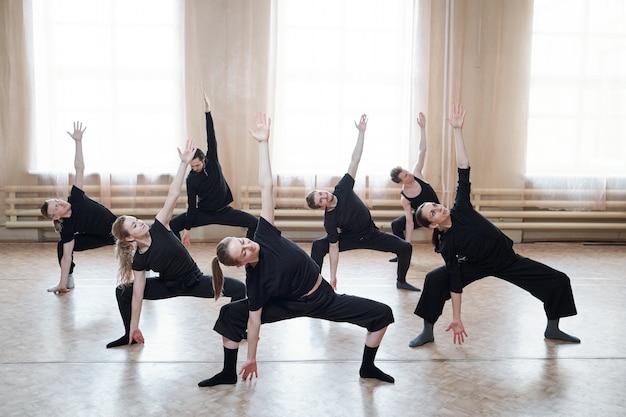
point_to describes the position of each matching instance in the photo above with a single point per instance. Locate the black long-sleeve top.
(472, 238)
(207, 190)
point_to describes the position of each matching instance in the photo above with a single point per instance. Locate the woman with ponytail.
(140, 248)
(473, 248)
(283, 282)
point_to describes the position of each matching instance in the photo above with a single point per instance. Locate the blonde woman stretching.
(140, 248)
(283, 282)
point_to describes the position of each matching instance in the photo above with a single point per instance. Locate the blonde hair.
(124, 251)
(224, 257)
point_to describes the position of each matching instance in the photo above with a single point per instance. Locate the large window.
(577, 123)
(116, 66)
(335, 61)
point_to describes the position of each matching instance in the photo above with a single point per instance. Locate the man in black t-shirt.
(209, 197)
(349, 225)
(82, 222)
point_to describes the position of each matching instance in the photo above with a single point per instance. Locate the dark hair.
(419, 216)
(310, 200)
(395, 174)
(199, 155)
(423, 221)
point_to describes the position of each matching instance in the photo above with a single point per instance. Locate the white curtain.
(578, 90)
(336, 60)
(117, 67)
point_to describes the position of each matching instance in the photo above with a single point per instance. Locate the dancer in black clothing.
(208, 194)
(82, 222)
(473, 248)
(140, 248)
(283, 282)
(349, 225)
(415, 189)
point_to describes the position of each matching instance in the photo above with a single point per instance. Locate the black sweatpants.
(376, 240)
(157, 289)
(83, 242)
(398, 226)
(324, 304)
(550, 286)
(228, 216)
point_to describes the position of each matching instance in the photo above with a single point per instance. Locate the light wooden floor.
(53, 359)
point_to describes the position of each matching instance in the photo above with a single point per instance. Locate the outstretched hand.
(421, 120)
(186, 238)
(458, 117)
(135, 335)
(249, 370)
(59, 290)
(459, 331)
(207, 103)
(187, 154)
(261, 131)
(78, 131)
(362, 125)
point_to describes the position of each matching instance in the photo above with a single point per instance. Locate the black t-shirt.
(166, 255)
(88, 217)
(284, 270)
(472, 238)
(350, 215)
(207, 190)
(427, 195)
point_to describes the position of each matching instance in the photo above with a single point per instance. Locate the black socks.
(403, 285)
(119, 342)
(553, 332)
(228, 374)
(425, 337)
(369, 370)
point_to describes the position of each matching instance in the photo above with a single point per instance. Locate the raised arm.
(421, 157)
(165, 214)
(358, 148)
(456, 121)
(207, 103)
(79, 162)
(211, 140)
(261, 133)
(462, 161)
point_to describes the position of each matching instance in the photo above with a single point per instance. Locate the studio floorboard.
(54, 362)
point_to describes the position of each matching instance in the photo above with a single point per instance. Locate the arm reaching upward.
(456, 121)
(207, 103)
(421, 157)
(462, 161)
(358, 148)
(165, 214)
(79, 162)
(261, 133)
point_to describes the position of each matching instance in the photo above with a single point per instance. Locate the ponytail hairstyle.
(224, 257)
(124, 251)
(218, 278)
(199, 155)
(58, 224)
(422, 221)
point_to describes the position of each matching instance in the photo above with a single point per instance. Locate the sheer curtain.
(577, 128)
(336, 60)
(117, 67)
